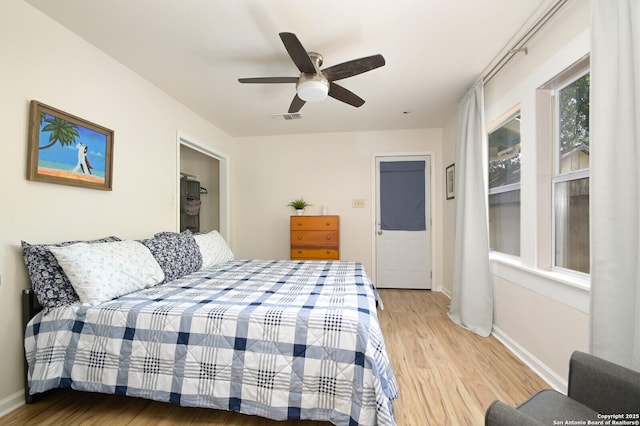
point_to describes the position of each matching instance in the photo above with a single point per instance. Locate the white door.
(403, 222)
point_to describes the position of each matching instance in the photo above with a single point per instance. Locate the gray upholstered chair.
(596, 387)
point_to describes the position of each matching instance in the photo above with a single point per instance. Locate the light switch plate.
(357, 203)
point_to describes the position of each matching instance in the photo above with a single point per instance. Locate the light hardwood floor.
(447, 376)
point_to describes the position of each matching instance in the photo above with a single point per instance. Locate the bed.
(278, 339)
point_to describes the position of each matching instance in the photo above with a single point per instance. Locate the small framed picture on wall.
(450, 179)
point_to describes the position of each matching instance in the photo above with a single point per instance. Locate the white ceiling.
(195, 50)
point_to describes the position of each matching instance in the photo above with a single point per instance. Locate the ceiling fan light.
(312, 90)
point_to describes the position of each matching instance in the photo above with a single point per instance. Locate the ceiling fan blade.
(269, 80)
(354, 67)
(296, 104)
(344, 95)
(297, 52)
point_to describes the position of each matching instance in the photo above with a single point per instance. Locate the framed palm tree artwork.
(68, 150)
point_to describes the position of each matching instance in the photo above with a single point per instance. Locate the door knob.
(379, 232)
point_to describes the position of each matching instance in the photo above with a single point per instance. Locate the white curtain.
(615, 181)
(472, 293)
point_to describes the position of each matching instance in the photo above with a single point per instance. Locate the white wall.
(43, 61)
(328, 169)
(541, 315)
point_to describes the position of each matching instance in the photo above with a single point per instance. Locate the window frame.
(570, 75)
(505, 118)
(528, 88)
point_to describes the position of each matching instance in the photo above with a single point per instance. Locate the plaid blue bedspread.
(277, 339)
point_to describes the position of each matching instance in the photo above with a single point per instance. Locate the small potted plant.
(299, 204)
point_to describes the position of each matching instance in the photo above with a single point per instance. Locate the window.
(570, 181)
(504, 187)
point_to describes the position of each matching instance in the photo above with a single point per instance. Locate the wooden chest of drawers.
(315, 237)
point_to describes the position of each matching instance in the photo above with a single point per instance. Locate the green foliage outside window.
(574, 115)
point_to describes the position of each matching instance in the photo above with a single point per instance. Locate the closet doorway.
(203, 184)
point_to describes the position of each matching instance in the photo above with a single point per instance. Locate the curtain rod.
(519, 46)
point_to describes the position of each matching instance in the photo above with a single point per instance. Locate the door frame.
(431, 211)
(189, 142)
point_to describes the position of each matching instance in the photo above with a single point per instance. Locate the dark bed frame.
(30, 307)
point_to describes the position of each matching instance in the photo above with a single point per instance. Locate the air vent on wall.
(287, 116)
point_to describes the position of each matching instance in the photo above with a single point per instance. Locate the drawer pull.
(328, 237)
(299, 237)
(328, 223)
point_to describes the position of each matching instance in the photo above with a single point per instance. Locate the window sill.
(571, 290)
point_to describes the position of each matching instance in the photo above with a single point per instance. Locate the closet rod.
(519, 46)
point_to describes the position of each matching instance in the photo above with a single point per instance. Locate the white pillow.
(213, 248)
(101, 272)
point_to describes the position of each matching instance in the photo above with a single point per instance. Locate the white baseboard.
(446, 292)
(548, 375)
(11, 402)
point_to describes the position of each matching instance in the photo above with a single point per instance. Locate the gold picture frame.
(68, 150)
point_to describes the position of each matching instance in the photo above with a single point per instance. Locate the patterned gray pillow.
(48, 280)
(177, 254)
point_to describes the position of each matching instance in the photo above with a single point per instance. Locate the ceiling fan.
(314, 84)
